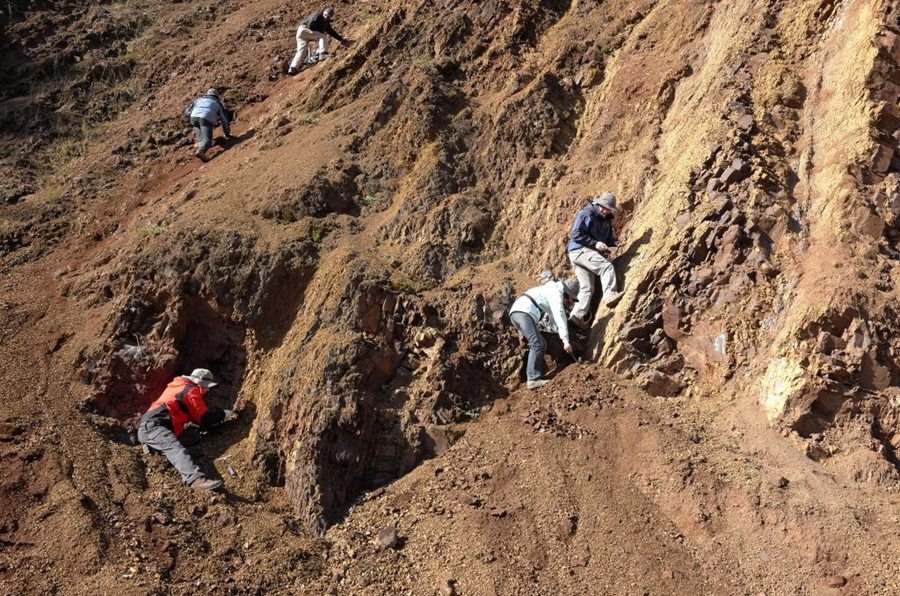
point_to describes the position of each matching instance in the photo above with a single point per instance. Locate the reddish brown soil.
(344, 264)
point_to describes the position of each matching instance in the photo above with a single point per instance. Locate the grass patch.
(151, 230)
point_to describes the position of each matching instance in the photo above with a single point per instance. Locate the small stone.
(448, 588)
(745, 122)
(388, 538)
(783, 482)
(836, 581)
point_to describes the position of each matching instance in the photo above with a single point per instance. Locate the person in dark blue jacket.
(207, 112)
(592, 240)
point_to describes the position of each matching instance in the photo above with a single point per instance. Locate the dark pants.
(154, 431)
(536, 344)
(204, 132)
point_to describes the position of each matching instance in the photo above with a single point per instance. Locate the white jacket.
(549, 300)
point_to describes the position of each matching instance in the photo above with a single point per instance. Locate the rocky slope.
(343, 265)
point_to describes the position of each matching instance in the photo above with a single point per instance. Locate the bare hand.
(568, 349)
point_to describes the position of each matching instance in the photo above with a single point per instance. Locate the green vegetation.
(152, 230)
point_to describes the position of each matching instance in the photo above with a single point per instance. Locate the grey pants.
(588, 263)
(536, 344)
(155, 435)
(204, 132)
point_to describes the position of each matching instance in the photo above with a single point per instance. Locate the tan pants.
(588, 264)
(304, 36)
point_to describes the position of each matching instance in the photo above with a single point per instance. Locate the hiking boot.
(320, 57)
(611, 298)
(205, 484)
(292, 71)
(536, 384)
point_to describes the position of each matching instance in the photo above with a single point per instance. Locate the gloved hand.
(230, 415)
(601, 247)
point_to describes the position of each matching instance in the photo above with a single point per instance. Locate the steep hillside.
(344, 262)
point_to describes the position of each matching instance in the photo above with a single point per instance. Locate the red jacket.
(184, 400)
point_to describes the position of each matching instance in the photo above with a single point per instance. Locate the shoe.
(205, 484)
(292, 71)
(611, 298)
(536, 384)
(320, 57)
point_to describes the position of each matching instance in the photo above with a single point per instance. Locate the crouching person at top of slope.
(181, 403)
(547, 301)
(315, 27)
(205, 113)
(592, 239)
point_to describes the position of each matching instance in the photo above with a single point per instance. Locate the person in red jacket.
(181, 403)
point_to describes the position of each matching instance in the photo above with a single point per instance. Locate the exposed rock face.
(344, 263)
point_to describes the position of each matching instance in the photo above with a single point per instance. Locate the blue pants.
(536, 344)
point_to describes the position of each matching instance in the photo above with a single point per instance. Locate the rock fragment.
(388, 538)
(448, 588)
(736, 172)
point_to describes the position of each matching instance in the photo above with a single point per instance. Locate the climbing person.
(591, 242)
(315, 27)
(205, 113)
(181, 403)
(547, 301)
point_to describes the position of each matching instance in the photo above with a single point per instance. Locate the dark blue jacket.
(590, 228)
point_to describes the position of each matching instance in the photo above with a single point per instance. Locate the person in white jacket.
(207, 112)
(526, 312)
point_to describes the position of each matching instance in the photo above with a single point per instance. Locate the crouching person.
(547, 301)
(206, 113)
(180, 403)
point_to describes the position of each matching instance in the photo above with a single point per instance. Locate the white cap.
(203, 377)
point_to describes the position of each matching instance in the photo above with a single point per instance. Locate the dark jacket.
(318, 23)
(590, 228)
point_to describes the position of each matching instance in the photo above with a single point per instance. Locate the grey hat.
(607, 200)
(213, 91)
(203, 377)
(570, 286)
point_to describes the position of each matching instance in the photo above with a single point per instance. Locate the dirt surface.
(343, 265)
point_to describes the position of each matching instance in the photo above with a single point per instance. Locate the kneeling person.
(182, 402)
(526, 312)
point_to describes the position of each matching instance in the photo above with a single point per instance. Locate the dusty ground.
(343, 263)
